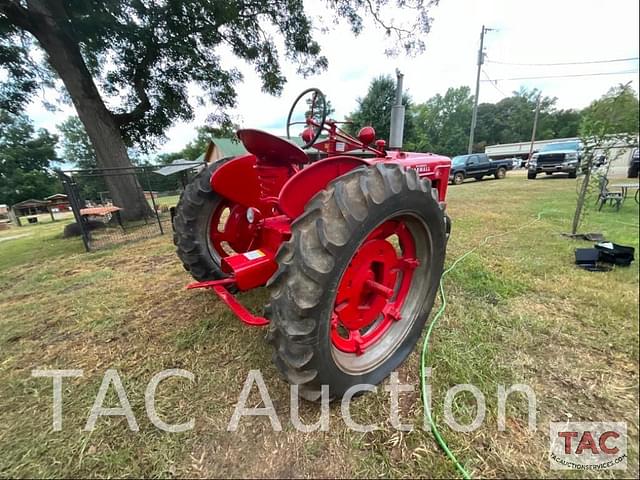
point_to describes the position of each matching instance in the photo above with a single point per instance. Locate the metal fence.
(118, 205)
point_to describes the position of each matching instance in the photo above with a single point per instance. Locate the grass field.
(169, 200)
(518, 311)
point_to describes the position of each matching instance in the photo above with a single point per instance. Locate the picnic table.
(103, 212)
(625, 187)
(99, 211)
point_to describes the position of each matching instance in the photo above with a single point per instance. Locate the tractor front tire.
(331, 274)
(531, 175)
(191, 226)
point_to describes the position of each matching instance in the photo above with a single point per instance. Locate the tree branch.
(17, 15)
(143, 106)
(376, 16)
(139, 86)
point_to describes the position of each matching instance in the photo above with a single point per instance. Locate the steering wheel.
(315, 114)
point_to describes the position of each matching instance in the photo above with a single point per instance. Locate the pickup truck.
(556, 157)
(477, 165)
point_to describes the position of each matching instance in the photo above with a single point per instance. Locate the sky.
(524, 31)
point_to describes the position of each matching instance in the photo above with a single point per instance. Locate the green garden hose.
(425, 347)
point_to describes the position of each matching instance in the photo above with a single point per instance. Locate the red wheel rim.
(229, 230)
(373, 288)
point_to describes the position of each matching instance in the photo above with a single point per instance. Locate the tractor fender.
(301, 187)
(237, 180)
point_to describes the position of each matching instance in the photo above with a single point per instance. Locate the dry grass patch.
(519, 312)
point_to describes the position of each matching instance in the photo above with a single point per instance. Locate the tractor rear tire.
(191, 226)
(325, 242)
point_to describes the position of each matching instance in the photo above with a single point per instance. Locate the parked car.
(556, 157)
(477, 165)
(634, 163)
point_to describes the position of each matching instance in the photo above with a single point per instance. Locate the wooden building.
(30, 207)
(58, 202)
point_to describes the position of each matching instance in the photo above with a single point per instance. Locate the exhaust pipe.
(397, 116)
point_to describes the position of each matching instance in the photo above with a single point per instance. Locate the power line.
(493, 83)
(563, 76)
(588, 62)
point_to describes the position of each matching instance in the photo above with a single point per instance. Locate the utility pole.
(535, 125)
(475, 99)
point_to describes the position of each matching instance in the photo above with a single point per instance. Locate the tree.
(25, 158)
(127, 64)
(76, 145)
(563, 124)
(374, 109)
(609, 120)
(442, 122)
(198, 145)
(615, 112)
(511, 119)
(78, 151)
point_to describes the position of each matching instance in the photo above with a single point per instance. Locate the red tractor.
(351, 246)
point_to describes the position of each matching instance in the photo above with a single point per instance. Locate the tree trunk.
(65, 58)
(582, 195)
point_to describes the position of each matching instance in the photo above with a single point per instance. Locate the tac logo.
(588, 445)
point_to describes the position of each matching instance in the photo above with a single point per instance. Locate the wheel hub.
(234, 229)
(373, 288)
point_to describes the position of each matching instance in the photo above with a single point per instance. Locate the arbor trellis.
(127, 64)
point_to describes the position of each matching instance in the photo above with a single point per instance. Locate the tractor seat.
(270, 148)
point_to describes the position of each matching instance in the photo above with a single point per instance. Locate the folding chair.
(605, 195)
